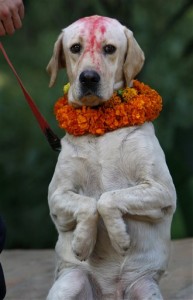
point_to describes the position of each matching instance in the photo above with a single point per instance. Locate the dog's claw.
(125, 248)
(78, 256)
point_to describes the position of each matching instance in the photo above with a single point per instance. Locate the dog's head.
(100, 55)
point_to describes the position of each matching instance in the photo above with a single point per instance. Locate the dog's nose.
(89, 78)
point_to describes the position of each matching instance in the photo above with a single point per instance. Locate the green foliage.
(163, 29)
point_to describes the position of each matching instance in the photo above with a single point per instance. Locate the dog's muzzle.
(89, 83)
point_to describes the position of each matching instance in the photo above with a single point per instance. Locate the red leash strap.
(52, 138)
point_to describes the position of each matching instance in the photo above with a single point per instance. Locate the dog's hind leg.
(72, 284)
(144, 289)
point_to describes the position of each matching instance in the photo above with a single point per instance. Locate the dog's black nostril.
(89, 78)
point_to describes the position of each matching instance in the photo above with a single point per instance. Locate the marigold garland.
(126, 107)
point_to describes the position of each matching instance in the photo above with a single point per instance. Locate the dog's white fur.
(111, 197)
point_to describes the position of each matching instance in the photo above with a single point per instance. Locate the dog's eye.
(76, 48)
(109, 49)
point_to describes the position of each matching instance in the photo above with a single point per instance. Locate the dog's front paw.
(85, 238)
(120, 242)
(115, 225)
(82, 247)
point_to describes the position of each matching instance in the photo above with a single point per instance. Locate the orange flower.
(129, 93)
(127, 107)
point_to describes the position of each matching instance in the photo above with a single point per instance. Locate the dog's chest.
(99, 164)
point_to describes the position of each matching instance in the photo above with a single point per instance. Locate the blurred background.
(164, 31)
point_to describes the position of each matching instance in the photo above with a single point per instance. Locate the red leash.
(52, 138)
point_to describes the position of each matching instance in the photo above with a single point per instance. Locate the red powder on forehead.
(103, 29)
(94, 19)
(94, 25)
(94, 29)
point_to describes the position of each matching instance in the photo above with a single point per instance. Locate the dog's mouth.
(90, 99)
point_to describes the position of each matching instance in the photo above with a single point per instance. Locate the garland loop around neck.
(127, 107)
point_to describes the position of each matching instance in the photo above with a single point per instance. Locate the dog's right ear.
(57, 60)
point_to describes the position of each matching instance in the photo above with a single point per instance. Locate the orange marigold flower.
(129, 93)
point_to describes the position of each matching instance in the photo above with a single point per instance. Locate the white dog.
(111, 197)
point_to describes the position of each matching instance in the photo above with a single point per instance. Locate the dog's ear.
(134, 58)
(57, 60)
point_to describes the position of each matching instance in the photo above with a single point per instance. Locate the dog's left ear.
(57, 60)
(134, 58)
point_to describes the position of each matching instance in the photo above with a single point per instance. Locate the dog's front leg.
(70, 210)
(146, 202)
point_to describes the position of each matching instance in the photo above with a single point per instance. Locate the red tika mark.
(95, 27)
(103, 29)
